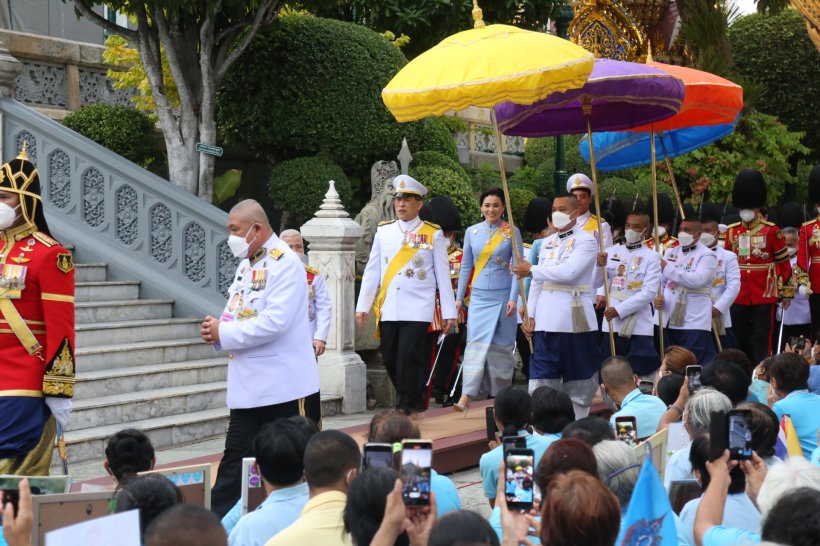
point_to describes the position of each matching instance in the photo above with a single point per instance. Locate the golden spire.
(23, 155)
(649, 58)
(478, 16)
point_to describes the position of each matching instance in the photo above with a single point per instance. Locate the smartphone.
(9, 496)
(513, 442)
(492, 429)
(378, 456)
(518, 474)
(626, 430)
(416, 467)
(646, 387)
(797, 343)
(739, 434)
(693, 377)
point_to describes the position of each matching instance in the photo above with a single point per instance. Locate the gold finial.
(649, 51)
(23, 154)
(478, 16)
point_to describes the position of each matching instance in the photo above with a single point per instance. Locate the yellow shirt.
(320, 523)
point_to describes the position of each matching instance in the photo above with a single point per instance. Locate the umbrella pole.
(587, 113)
(499, 152)
(672, 178)
(655, 237)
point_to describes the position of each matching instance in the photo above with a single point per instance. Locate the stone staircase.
(141, 367)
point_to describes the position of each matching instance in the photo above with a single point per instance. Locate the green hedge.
(299, 186)
(432, 158)
(520, 198)
(443, 181)
(122, 129)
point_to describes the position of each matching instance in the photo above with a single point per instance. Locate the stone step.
(122, 310)
(90, 272)
(106, 290)
(123, 408)
(141, 353)
(153, 376)
(104, 333)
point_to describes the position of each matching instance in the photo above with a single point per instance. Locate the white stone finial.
(332, 205)
(404, 157)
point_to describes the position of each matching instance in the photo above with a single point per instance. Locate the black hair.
(497, 192)
(793, 519)
(669, 388)
(329, 455)
(128, 453)
(186, 524)
(790, 372)
(462, 528)
(279, 448)
(366, 501)
(513, 409)
(738, 357)
(151, 495)
(699, 454)
(590, 430)
(765, 426)
(552, 410)
(728, 378)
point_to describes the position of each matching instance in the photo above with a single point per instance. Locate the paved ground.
(468, 481)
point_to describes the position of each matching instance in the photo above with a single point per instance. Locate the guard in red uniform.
(666, 216)
(808, 252)
(764, 266)
(36, 326)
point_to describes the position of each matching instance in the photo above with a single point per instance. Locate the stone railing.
(115, 212)
(477, 145)
(60, 75)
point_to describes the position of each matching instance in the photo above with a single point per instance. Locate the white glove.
(802, 290)
(60, 409)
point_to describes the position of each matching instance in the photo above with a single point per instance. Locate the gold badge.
(20, 259)
(418, 261)
(421, 274)
(409, 272)
(65, 262)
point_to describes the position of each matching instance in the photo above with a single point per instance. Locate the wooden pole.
(656, 239)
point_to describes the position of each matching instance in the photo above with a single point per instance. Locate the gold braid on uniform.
(59, 376)
(802, 277)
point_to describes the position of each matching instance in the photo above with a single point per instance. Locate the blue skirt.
(700, 342)
(488, 356)
(570, 357)
(638, 350)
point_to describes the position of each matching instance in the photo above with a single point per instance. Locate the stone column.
(332, 237)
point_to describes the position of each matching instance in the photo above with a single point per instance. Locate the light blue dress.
(488, 357)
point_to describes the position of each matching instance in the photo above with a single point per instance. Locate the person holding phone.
(619, 385)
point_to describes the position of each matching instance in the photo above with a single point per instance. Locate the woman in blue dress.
(488, 288)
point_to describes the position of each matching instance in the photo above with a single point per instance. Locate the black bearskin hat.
(790, 215)
(445, 213)
(709, 212)
(666, 211)
(749, 191)
(538, 213)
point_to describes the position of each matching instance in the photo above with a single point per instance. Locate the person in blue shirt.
(279, 448)
(552, 411)
(619, 384)
(493, 297)
(789, 376)
(513, 411)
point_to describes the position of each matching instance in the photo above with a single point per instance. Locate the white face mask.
(7, 215)
(686, 239)
(708, 239)
(633, 236)
(792, 250)
(239, 246)
(747, 215)
(661, 232)
(561, 219)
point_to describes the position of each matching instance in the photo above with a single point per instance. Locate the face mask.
(708, 239)
(239, 246)
(747, 215)
(633, 236)
(561, 220)
(792, 250)
(661, 232)
(7, 215)
(686, 239)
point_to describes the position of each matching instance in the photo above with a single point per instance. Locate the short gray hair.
(290, 233)
(788, 230)
(783, 478)
(702, 405)
(618, 468)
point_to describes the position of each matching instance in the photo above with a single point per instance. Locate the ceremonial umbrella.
(483, 67)
(618, 95)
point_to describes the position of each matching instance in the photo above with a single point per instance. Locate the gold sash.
(18, 326)
(401, 258)
(484, 256)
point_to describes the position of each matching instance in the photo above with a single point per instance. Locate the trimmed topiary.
(299, 185)
(124, 130)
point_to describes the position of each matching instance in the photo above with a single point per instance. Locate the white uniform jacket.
(411, 295)
(690, 272)
(726, 285)
(565, 262)
(265, 328)
(320, 305)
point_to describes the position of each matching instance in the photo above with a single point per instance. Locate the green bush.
(308, 85)
(539, 150)
(484, 177)
(299, 185)
(520, 198)
(432, 158)
(537, 180)
(776, 51)
(122, 129)
(443, 181)
(621, 188)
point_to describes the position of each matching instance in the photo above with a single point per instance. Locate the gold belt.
(815, 259)
(756, 266)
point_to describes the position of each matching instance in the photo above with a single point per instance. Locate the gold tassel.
(679, 312)
(579, 317)
(771, 284)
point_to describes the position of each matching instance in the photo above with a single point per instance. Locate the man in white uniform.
(407, 264)
(272, 371)
(726, 284)
(320, 306)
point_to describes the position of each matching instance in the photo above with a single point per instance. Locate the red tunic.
(667, 242)
(808, 255)
(764, 262)
(455, 255)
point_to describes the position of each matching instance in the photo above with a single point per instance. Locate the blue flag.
(649, 520)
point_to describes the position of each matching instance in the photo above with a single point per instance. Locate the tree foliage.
(123, 130)
(299, 185)
(129, 74)
(443, 181)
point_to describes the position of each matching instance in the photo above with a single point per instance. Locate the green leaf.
(226, 184)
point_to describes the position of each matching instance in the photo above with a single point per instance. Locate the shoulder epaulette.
(733, 225)
(670, 238)
(766, 223)
(311, 269)
(810, 222)
(431, 224)
(276, 253)
(386, 222)
(527, 245)
(45, 239)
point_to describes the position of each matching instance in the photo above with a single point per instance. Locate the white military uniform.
(726, 284)
(634, 274)
(798, 312)
(320, 306)
(587, 221)
(265, 328)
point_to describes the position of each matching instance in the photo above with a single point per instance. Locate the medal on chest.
(12, 280)
(259, 279)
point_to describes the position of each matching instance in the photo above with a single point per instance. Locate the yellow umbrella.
(483, 67)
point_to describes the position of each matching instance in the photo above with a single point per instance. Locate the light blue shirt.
(739, 513)
(488, 465)
(645, 408)
(722, 536)
(496, 275)
(447, 499)
(804, 409)
(759, 388)
(280, 510)
(533, 259)
(678, 467)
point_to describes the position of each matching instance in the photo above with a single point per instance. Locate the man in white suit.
(272, 370)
